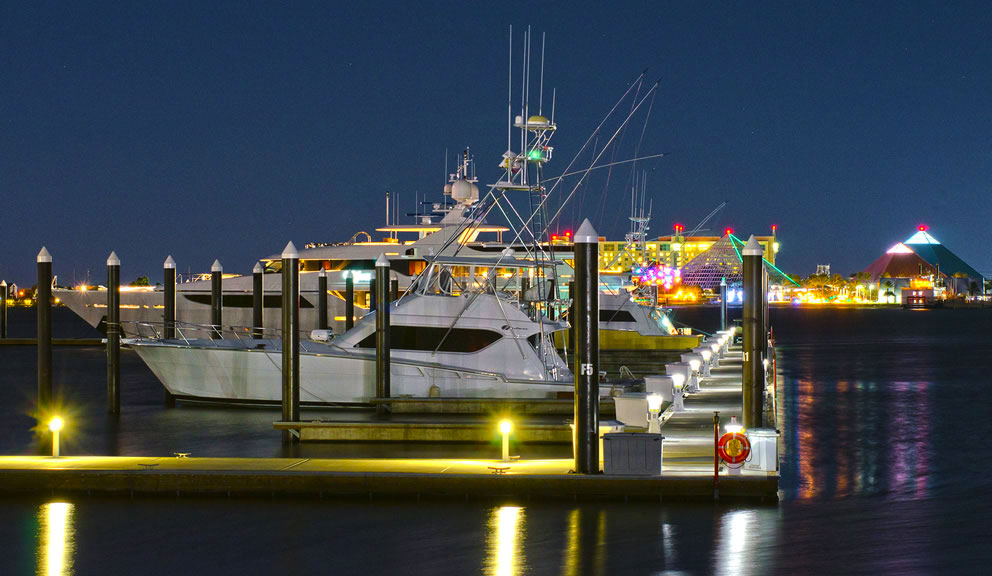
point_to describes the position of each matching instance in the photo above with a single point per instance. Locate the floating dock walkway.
(407, 477)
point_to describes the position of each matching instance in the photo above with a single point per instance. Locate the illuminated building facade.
(674, 251)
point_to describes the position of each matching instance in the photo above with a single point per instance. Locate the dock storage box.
(633, 454)
(764, 451)
(632, 409)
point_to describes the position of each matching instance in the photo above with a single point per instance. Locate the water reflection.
(738, 530)
(585, 547)
(57, 545)
(853, 438)
(506, 533)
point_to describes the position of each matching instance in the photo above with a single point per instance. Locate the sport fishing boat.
(474, 343)
(476, 321)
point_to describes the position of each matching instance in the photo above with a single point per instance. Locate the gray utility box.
(633, 453)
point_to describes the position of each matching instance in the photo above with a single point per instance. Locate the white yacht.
(478, 344)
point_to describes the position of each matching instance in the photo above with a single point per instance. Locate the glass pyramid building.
(723, 260)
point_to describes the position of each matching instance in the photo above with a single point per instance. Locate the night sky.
(209, 130)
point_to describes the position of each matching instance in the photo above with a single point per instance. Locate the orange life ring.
(733, 447)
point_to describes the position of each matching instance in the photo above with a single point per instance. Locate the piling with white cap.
(43, 302)
(113, 334)
(257, 300)
(216, 298)
(290, 340)
(169, 310)
(752, 324)
(382, 345)
(585, 331)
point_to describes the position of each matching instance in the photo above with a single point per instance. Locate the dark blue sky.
(209, 130)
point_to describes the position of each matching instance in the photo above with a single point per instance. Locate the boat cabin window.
(616, 316)
(427, 338)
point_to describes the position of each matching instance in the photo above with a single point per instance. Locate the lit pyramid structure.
(723, 260)
(922, 255)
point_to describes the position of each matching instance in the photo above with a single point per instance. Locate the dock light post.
(290, 339)
(55, 426)
(257, 301)
(113, 334)
(715, 346)
(216, 298)
(704, 366)
(169, 310)
(754, 335)
(505, 427)
(382, 345)
(678, 380)
(585, 330)
(43, 302)
(654, 413)
(322, 299)
(3, 309)
(349, 301)
(694, 381)
(723, 303)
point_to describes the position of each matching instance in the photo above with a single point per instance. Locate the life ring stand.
(733, 447)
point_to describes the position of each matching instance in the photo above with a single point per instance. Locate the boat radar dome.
(464, 191)
(538, 122)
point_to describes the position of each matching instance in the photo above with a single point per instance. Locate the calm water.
(884, 419)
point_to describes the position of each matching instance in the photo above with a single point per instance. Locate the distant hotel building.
(674, 251)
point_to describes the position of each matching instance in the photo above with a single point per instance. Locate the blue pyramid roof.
(937, 255)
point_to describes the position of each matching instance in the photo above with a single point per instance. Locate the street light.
(678, 379)
(505, 427)
(55, 424)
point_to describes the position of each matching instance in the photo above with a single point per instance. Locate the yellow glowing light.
(55, 424)
(57, 546)
(506, 531)
(505, 427)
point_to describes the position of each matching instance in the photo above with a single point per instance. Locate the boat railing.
(210, 335)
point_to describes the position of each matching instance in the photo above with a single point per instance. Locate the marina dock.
(387, 477)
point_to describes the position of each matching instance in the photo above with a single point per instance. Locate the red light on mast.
(728, 231)
(774, 228)
(923, 228)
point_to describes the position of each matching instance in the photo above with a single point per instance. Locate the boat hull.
(238, 375)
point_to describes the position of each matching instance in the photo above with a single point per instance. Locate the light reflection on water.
(506, 532)
(56, 545)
